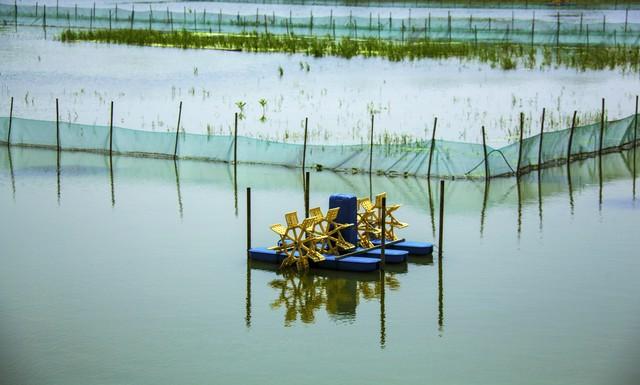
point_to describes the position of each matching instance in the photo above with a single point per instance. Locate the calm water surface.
(137, 274)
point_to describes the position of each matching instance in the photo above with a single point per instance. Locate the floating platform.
(413, 248)
(353, 263)
(390, 255)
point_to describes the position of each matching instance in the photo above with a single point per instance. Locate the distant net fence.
(438, 158)
(571, 29)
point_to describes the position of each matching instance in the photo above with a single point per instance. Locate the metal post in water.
(541, 137)
(533, 27)
(248, 220)
(601, 129)
(306, 194)
(371, 147)
(635, 144)
(57, 127)
(626, 19)
(175, 149)
(441, 223)
(10, 122)
(520, 144)
(558, 31)
(304, 146)
(383, 235)
(111, 131)
(433, 146)
(235, 140)
(486, 158)
(573, 126)
(635, 124)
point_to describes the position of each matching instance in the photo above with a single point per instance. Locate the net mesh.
(566, 29)
(449, 159)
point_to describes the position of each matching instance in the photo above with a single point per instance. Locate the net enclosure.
(521, 26)
(440, 158)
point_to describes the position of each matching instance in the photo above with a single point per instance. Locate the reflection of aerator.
(348, 237)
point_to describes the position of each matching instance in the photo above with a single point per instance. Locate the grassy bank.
(503, 55)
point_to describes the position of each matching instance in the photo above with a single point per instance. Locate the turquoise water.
(138, 274)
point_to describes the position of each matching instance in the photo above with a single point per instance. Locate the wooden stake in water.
(133, 13)
(15, 13)
(581, 23)
(304, 146)
(520, 144)
(573, 126)
(383, 234)
(441, 223)
(44, 20)
(235, 139)
(175, 149)
(533, 27)
(432, 146)
(601, 130)
(626, 19)
(486, 158)
(111, 131)
(10, 122)
(306, 193)
(558, 31)
(371, 147)
(57, 127)
(635, 125)
(248, 220)
(541, 139)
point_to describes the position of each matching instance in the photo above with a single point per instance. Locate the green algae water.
(135, 271)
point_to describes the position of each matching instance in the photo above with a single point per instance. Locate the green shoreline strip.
(499, 54)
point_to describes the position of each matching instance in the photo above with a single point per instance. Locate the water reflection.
(525, 190)
(58, 175)
(302, 294)
(111, 182)
(180, 209)
(13, 177)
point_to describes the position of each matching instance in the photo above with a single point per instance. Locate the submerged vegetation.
(502, 54)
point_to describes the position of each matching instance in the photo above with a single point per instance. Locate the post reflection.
(58, 172)
(235, 189)
(483, 212)
(12, 174)
(112, 183)
(180, 208)
(540, 197)
(570, 189)
(519, 195)
(431, 209)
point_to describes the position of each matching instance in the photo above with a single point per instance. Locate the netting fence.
(440, 158)
(571, 29)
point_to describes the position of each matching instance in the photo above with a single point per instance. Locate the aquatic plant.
(263, 105)
(240, 104)
(498, 54)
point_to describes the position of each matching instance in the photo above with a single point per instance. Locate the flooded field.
(125, 274)
(337, 95)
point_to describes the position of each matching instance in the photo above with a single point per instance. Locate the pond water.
(137, 273)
